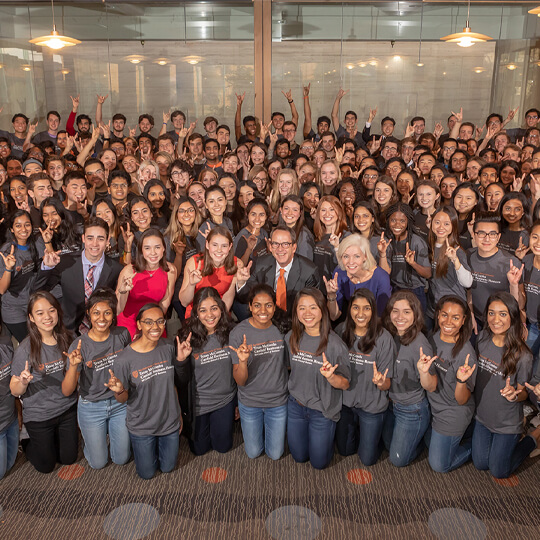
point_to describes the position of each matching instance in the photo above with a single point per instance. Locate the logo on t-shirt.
(135, 374)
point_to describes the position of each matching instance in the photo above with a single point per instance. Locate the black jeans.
(54, 440)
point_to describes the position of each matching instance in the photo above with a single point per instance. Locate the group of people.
(339, 289)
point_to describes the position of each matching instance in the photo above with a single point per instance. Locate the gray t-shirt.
(406, 388)
(402, 275)
(43, 398)
(98, 358)
(324, 256)
(15, 299)
(494, 411)
(448, 416)
(305, 243)
(531, 283)
(208, 225)
(489, 276)
(266, 385)
(152, 405)
(7, 400)
(306, 383)
(212, 372)
(448, 284)
(362, 393)
(510, 240)
(240, 244)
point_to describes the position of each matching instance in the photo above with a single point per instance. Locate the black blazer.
(69, 273)
(303, 273)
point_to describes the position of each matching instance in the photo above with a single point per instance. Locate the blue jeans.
(533, 339)
(9, 444)
(96, 420)
(360, 431)
(447, 453)
(404, 429)
(151, 451)
(214, 431)
(263, 429)
(500, 454)
(310, 435)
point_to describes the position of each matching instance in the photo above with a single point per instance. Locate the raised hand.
(183, 348)
(179, 247)
(306, 89)
(372, 114)
(9, 260)
(75, 102)
(240, 99)
(341, 93)
(25, 377)
(535, 389)
(382, 245)
(195, 277)
(409, 131)
(470, 225)
(334, 240)
(127, 284)
(409, 254)
(47, 234)
(451, 252)
(243, 351)
(522, 249)
(511, 114)
(509, 392)
(288, 94)
(479, 132)
(32, 128)
(264, 131)
(424, 362)
(101, 99)
(378, 378)
(127, 235)
(327, 369)
(252, 240)
(517, 184)
(106, 129)
(82, 208)
(438, 131)
(514, 274)
(243, 273)
(341, 151)
(458, 115)
(166, 116)
(75, 356)
(465, 371)
(375, 145)
(51, 258)
(114, 384)
(132, 131)
(332, 286)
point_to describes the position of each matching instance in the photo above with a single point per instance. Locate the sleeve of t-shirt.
(517, 263)
(235, 339)
(524, 369)
(387, 354)
(121, 369)
(471, 381)
(341, 353)
(422, 255)
(20, 357)
(340, 131)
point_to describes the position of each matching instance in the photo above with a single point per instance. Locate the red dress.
(148, 287)
(219, 279)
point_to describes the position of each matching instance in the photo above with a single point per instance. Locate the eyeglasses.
(530, 117)
(482, 234)
(276, 245)
(94, 173)
(178, 173)
(150, 323)
(186, 211)
(119, 186)
(289, 131)
(370, 176)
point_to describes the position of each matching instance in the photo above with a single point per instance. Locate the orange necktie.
(281, 290)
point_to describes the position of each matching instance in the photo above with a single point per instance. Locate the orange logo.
(89, 363)
(41, 367)
(135, 374)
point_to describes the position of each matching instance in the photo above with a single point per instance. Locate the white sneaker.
(23, 433)
(535, 421)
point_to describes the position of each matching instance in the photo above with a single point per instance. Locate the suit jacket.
(69, 273)
(303, 273)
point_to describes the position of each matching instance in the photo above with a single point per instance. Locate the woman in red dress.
(150, 279)
(217, 267)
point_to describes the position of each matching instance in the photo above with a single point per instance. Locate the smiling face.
(347, 195)
(402, 316)
(118, 190)
(76, 190)
(156, 197)
(151, 324)
(246, 194)
(95, 242)
(101, 317)
(498, 318)
(464, 201)
(405, 184)
(441, 225)
(18, 191)
(218, 248)
(257, 217)
(229, 187)
(141, 215)
(451, 318)
(382, 193)
(285, 184)
(216, 203)
(290, 212)
(534, 241)
(329, 174)
(353, 260)
(186, 215)
(493, 196)
(262, 310)
(196, 192)
(426, 197)
(282, 248)
(51, 217)
(104, 212)
(397, 223)
(209, 314)
(363, 219)
(22, 229)
(257, 155)
(328, 216)
(153, 250)
(512, 211)
(309, 313)
(448, 186)
(44, 315)
(311, 198)
(361, 314)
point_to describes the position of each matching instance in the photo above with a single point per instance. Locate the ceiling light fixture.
(511, 67)
(467, 38)
(535, 11)
(54, 40)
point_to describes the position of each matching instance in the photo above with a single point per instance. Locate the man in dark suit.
(282, 263)
(80, 273)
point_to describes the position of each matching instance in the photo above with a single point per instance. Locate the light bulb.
(465, 42)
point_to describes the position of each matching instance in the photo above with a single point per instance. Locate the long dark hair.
(63, 336)
(166, 208)
(280, 319)
(65, 234)
(300, 223)
(30, 242)
(466, 329)
(416, 327)
(375, 226)
(407, 211)
(453, 239)
(525, 221)
(199, 333)
(140, 263)
(114, 230)
(367, 342)
(298, 328)
(105, 295)
(514, 346)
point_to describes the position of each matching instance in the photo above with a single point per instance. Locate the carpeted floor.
(231, 497)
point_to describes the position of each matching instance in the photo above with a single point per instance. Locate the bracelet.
(106, 138)
(459, 380)
(291, 101)
(10, 271)
(120, 393)
(332, 298)
(164, 123)
(382, 256)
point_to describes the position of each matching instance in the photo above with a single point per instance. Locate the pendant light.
(467, 38)
(535, 11)
(54, 40)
